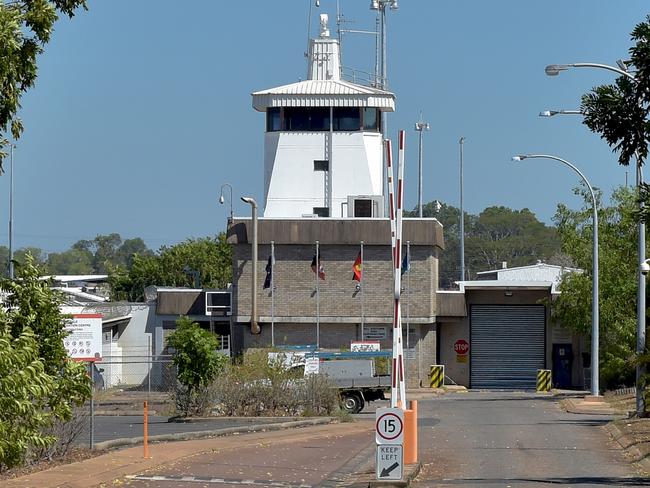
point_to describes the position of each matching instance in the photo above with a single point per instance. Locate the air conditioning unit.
(366, 206)
(218, 303)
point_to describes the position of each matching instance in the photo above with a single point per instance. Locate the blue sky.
(142, 110)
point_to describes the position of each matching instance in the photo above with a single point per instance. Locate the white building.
(323, 149)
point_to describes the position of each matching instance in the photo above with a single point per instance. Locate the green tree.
(37, 381)
(619, 111)
(196, 358)
(617, 283)
(173, 266)
(501, 234)
(25, 28)
(110, 251)
(72, 261)
(497, 234)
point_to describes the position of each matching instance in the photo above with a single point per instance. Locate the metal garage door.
(506, 345)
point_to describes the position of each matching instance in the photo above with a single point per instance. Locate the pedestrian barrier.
(543, 380)
(437, 375)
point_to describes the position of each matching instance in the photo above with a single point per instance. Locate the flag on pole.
(316, 264)
(269, 273)
(406, 264)
(356, 268)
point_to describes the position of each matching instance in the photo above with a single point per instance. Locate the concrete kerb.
(185, 436)
(627, 444)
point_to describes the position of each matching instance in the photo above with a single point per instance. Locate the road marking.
(220, 481)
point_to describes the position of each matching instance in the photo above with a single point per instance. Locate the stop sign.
(461, 347)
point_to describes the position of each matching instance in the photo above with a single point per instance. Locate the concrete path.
(480, 439)
(323, 455)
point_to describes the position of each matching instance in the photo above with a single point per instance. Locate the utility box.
(348, 368)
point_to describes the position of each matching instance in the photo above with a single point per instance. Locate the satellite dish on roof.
(151, 293)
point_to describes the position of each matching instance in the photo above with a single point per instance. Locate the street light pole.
(420, 126)
(221, 199)
(595, 389)
(461, 142)
(554, 70)
(255, 328)
(11, 213)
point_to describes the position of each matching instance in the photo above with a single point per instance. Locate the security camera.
(645, 267)
(358, 286)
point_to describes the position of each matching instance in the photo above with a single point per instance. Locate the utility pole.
(420, 126)
(462, 215)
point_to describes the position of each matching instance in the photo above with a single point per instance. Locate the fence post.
(92, 405)
(146, 431)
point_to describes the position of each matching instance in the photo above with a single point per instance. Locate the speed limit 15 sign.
(389, 426)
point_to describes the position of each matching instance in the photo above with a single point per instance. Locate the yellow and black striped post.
(543, 380)
(437, 375)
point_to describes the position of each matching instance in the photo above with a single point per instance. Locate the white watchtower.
(323, 145)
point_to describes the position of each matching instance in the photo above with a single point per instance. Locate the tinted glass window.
(347, 119)
(371, 119)
(306, 119)
(272, 119)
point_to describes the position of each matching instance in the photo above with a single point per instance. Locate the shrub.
(254, 387)
(198, 363)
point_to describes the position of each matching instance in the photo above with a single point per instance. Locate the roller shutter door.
(506, 345)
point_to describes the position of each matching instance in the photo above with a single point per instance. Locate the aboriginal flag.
(356, 268)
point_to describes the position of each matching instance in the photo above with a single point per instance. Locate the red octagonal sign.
(461, 347)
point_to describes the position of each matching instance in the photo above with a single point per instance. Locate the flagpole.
(272, 295)
(317, 298)
(408, 294)
(362, 295)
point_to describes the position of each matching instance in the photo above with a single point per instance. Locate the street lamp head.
(250, 200)
(393, 5)
(374, 4)
(547, 113)
(519, 157)
(221, 199)
(555, 69)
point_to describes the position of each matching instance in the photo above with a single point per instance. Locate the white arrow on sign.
(389, 426)
(390, 462)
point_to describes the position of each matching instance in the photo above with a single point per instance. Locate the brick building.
(336, 308)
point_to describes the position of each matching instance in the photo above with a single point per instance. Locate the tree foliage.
(25, 28)
(37, 381)
(495, 235)
(619, 111)
(196, 358)
(175, 265)
(617, 281)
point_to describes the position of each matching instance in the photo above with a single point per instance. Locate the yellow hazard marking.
(437, 375)
(543, 380)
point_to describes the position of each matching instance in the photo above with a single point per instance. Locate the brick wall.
(338, 299)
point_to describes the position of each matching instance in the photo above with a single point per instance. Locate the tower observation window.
(273, 119)
(306, 119)
(347, 119)
(311, 119)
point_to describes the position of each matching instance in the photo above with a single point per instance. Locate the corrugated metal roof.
(323, 93)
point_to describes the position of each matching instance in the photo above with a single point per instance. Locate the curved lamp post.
(621, 69)
(221, 199)
(594, 308)
(255, 328)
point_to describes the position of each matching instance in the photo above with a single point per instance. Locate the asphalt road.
(110, 427)
(129, 426)
(505, 439)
